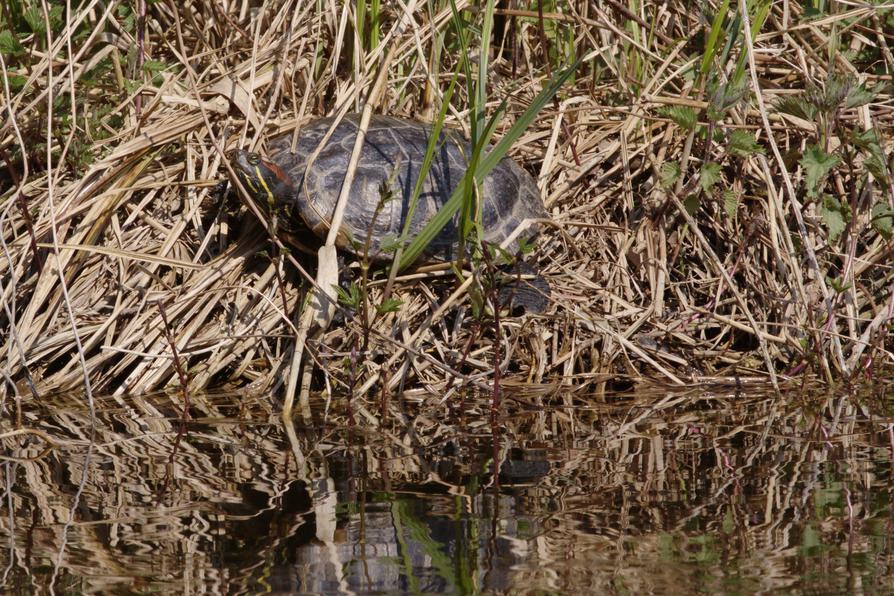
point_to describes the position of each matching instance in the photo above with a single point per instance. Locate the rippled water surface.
(708, 490)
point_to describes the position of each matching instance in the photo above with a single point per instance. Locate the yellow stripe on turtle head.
(260, 178)
(249, 181)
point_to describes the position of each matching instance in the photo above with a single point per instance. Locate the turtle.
(301, 197)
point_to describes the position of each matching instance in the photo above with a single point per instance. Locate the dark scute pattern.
(393, 155)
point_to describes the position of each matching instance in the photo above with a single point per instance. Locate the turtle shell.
(383, 185)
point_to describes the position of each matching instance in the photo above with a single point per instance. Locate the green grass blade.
(374, 27)
(468, 219)
(480, 104)
(437, 125)
(713, 36)
(478, 111)
(757, 23)
(360, 21)
(449, 209)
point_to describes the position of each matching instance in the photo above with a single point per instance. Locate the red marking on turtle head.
(277, 172)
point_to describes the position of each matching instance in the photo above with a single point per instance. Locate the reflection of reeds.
(612, 487)
(679, 244)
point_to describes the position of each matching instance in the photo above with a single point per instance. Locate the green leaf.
(757, 24)
(17, 82)
(154, 66)
(876, 165)
(56, 20)
(669, 173)
(132, 86)
(876, 161)
(9, 44)
(424, 168)
(483, 74)
(692, 204)
(835, 216)
(390, 305)
(837, 286)
(817, 164)
(127, 18)
(713, 36)
(526, 245)
(481, 135)
(730, 203)
(349, 297)
(834, 93)
(866, 140)
(724, 98)
(743, 143)
(729, 523)
(498, 254)
(389, 243)
(710, 175)
(34, 17)
(859, 96)
(882, 217)
(796, 106)
(682, 116)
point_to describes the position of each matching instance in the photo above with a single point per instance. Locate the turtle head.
(265, 181)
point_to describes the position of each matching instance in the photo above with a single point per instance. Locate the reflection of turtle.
(383, 185)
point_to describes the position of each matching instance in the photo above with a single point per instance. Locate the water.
(705, 491)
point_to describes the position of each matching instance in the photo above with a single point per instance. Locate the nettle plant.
(842, 150)
(838, 150)
(723, 149)
(88, 110)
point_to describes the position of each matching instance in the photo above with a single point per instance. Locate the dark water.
(711, 490)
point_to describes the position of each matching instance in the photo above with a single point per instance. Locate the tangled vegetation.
(718, 178)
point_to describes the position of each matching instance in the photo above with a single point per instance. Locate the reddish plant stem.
(184, 391)
(178, 364)
(141, 49)
(494, 294)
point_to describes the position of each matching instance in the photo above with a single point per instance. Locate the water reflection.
(703, 490)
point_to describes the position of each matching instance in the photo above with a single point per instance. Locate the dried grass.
(643, 289)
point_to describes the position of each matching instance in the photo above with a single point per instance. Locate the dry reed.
(674, 255)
